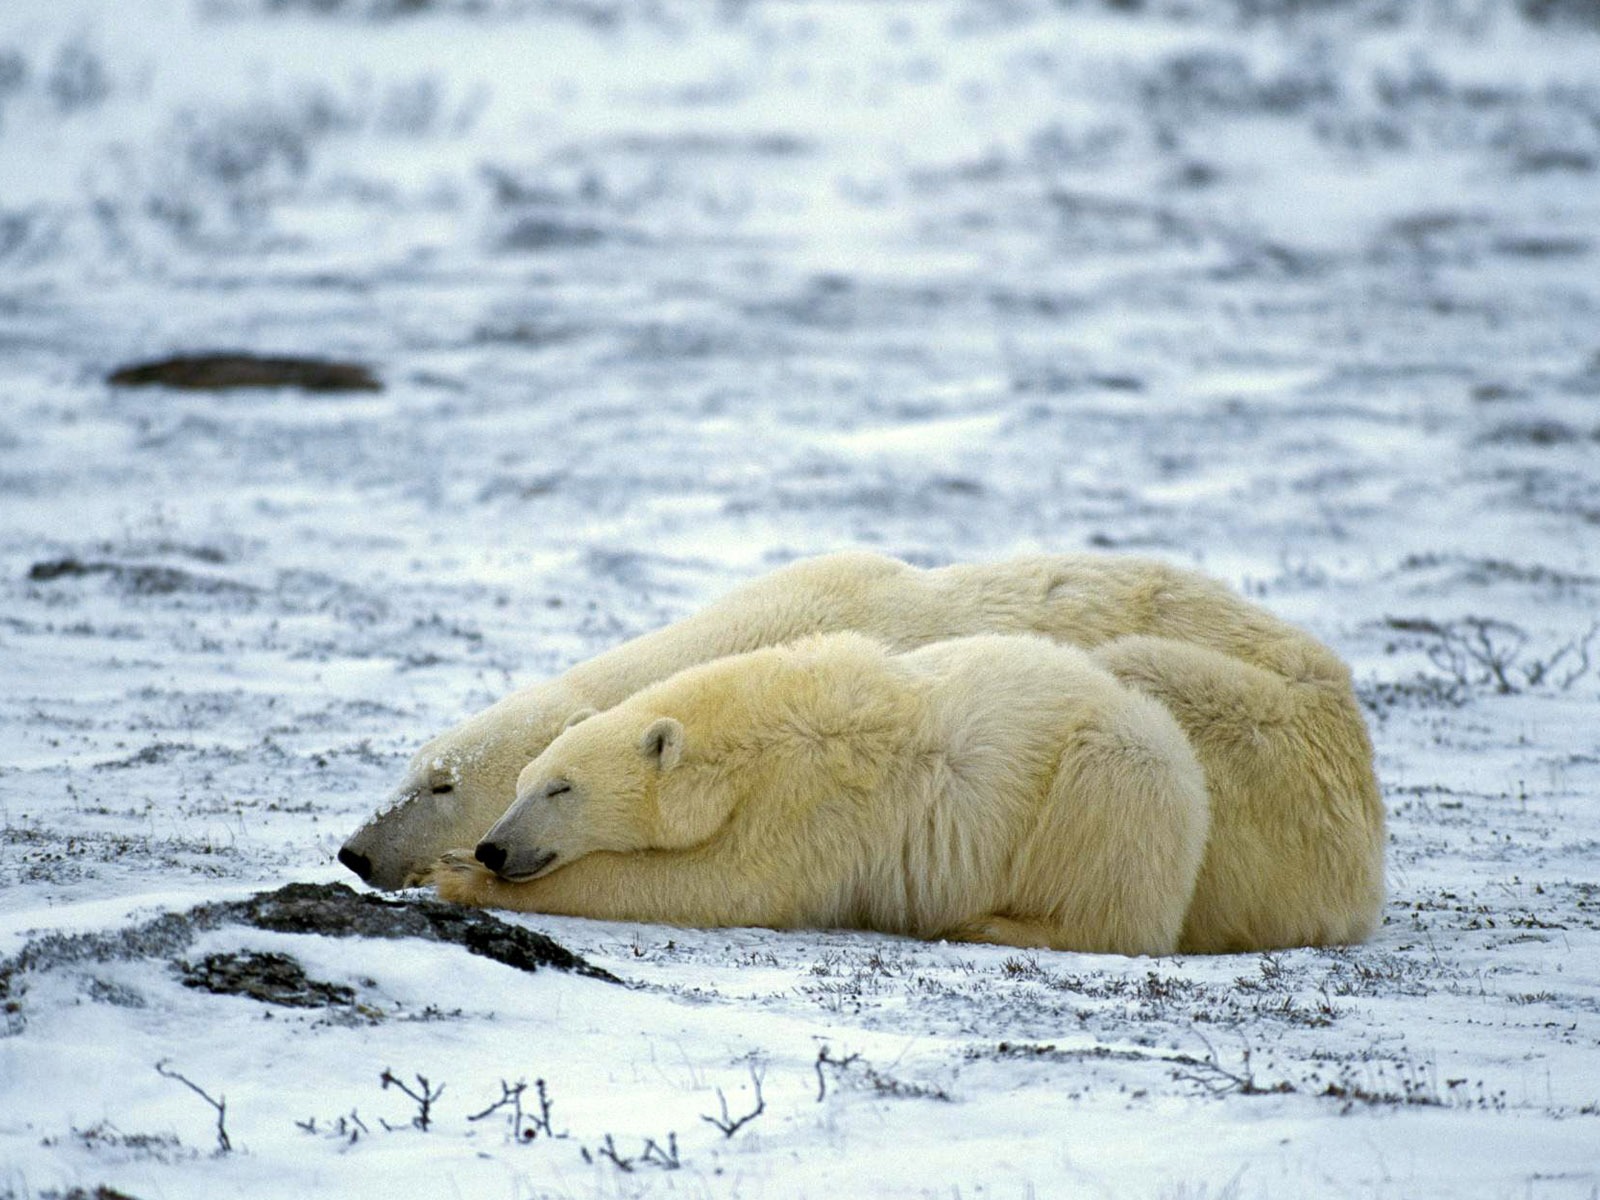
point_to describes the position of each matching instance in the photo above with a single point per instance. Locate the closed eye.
(559, 788)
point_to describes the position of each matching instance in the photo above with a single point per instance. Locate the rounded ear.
(583, 714)
(663, 742)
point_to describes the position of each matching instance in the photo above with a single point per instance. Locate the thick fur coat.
(991, 788)
(1146, 797)
(461, 782)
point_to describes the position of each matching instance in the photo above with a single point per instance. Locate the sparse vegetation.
(855, 1070)
(524, 1126)
(219, 1103)
(1214, 1079)
(652, 1154)
(728, 1125)
(1475, 655)
(348, 1128)
(105, 1137)
(423, 1096)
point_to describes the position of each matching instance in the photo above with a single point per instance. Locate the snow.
(664, 295)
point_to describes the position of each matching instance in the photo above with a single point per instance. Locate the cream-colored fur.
(462, 781)
(988, 788)
(1295, 853)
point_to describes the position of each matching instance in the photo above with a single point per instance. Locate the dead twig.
(510, 1095)
(348, 1129)
(424, 1099)
(1479, 650)
(870, 1076)
(608, 1149)
(666, 1159)
(541, 1123)
(653, 1153)
(731, 1125)
(1482, 652)
(1217, 1080)
(524, 1126)
(1579, 647)
(224, 1145)
(826, 1059)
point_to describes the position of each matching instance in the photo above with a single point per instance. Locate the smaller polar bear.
(994, 788)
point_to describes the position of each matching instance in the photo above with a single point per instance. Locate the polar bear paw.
(459, 877)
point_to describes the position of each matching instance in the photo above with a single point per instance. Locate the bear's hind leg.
(1295, 856)
(1112, 861)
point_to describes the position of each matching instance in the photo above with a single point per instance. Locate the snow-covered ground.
(664, 294)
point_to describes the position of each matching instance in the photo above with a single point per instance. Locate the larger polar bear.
(460, 783)
(999, 789)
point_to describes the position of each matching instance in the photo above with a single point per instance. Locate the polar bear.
(1293, 855)
(996, 788)
(459, 783)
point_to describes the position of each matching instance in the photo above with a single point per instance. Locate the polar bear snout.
(518, 865)
(357, 862)
(491, 855)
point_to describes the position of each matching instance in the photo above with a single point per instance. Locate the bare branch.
(608, 1149)
(1581, 668)
(1480, 651)
(870, 1076)
(541, 1123)
(424, 1100)
(1216, 1079)
(510, 1094)
(826, 1059)
(524, 1126)
(666, 1159)
(731, 1125)
(224, 1145)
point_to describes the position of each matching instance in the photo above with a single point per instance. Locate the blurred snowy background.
(661, 295)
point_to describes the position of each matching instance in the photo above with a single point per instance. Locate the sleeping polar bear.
(990, 788)
(460, 783)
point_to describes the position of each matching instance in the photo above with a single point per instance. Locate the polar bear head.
(625, 780)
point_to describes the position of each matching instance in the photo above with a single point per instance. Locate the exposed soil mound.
(139, 579)
(227, 372)
(332, 910)
(335, 910)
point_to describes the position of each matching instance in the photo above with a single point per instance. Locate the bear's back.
(1090, 599)
(1001, 707)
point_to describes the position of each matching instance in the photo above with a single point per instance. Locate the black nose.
(359, 863)
(491, 855)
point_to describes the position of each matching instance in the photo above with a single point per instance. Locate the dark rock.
(225, 372)
(1532, 433)
(63, 568)
(139, 579)
(551, 233)
(1573, 13)
(270, 978)
(99, 1192)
